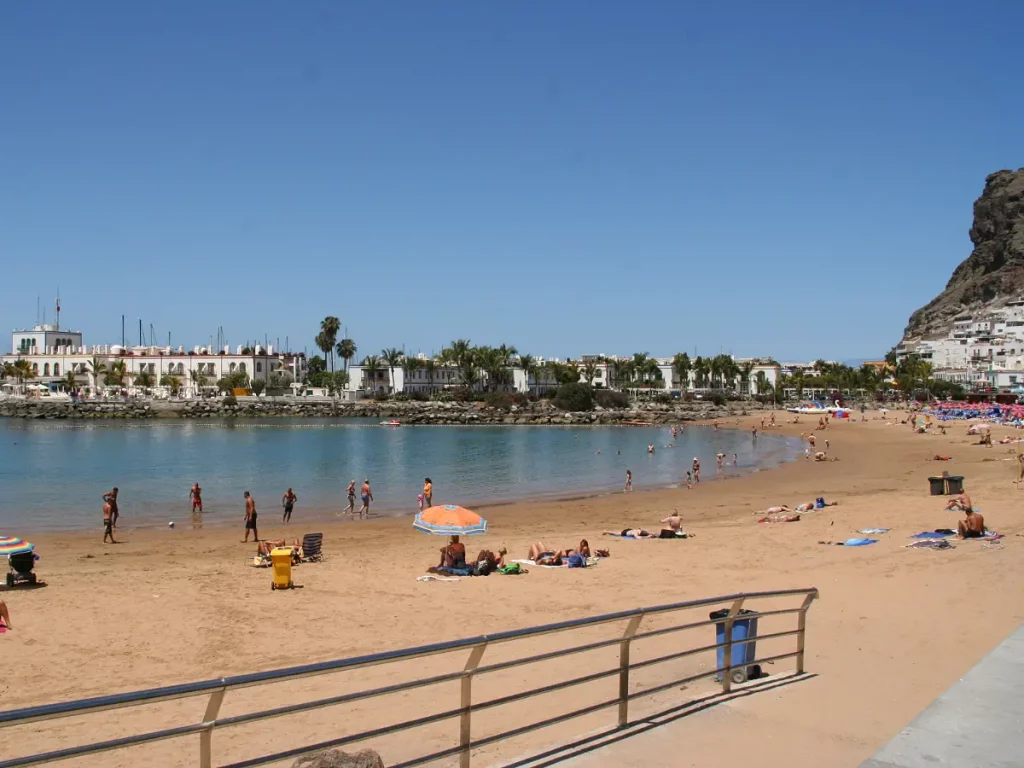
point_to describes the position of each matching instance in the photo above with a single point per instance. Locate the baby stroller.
(21, 564)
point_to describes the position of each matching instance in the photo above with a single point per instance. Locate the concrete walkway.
(978, 722)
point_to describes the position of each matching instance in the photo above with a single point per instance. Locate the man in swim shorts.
(250, 519)
(972, 526)
(288, 502)
(367, 496)
(196, 495)
(111, 499)
(108, 526)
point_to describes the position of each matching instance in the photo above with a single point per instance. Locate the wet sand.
(894, 627)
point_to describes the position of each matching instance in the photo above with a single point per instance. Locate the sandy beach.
(893, 628)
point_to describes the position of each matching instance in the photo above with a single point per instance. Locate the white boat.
(816, 408)
(391, 423)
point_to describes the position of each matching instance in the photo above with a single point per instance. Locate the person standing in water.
(367, 496)
(351, 492)
(288, 502)
(629, 482)
(195, 495)
(696, 470)
(428, 493)
(250, 518)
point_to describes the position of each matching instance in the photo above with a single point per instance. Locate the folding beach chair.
(312, 544)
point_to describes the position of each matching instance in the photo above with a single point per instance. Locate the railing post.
(465, 731)
(802, 629)
(627, 638)
(209, 721)
(727, 650)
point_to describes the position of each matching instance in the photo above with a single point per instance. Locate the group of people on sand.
(453, 559)
(973, 524)
(783, 514)
(672, 528)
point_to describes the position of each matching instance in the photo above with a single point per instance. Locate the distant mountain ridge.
(994, 272)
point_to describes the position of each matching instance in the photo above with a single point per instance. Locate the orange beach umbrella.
(449, 520)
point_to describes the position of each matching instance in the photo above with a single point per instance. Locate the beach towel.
(929, 544)
(591, 561)
(432, 577)
(859, 542)
(636, 538)
(930, 535)
(873, 530)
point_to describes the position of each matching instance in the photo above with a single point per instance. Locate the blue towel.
(859, 542)
(930, 535)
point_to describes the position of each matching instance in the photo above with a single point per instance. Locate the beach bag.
(483, 568)
(512, 569)
(576, 560)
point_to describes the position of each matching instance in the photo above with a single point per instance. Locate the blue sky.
(570, 177)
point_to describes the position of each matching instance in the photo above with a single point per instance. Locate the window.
(231, 368)
(56, 369)
(241, 367)
(259, 367)
(46, 369)
(1013, 379)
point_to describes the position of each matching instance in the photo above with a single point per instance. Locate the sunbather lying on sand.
(632, 533)
(5, 615)
(809, 505)
(542, 554)
(773, 510)
(779, 517)
(938, 457)
(264, 547)
(820, 456)
(494, 561)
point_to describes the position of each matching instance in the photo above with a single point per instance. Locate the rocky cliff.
(994, 272)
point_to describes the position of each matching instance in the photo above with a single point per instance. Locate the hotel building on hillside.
(53, 352)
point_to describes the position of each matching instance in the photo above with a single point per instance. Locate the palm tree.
(590, 372)
(428, 368)
(144, 379)
(70, 380)
(198, 379)
(528, 365)
(96, 367)
(371, 367)
(346, 350)
(329, 327)
(171, 382)
(761, 380)
(324, 344)
(798, 380)
(23, 371)
(8, 371)
(118, 374)
(392, 358)
(681, 367)
(745, 370)
(701, 367)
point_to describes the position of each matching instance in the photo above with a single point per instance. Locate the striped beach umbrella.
(9, 545)
(450, 520)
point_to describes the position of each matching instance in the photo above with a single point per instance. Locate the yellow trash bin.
(281, 557)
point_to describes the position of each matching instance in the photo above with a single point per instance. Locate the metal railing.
(216, 689)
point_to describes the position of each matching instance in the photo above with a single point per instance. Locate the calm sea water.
(52, 474)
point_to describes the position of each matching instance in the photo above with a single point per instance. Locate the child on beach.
(629, 482)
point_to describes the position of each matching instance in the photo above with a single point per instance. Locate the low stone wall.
(407, 412)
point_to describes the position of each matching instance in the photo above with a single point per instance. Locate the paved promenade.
(978, 722)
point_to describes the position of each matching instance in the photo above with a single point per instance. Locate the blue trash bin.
(743, 654)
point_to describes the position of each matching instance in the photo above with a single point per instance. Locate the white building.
(983, 350)
(51, 360)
